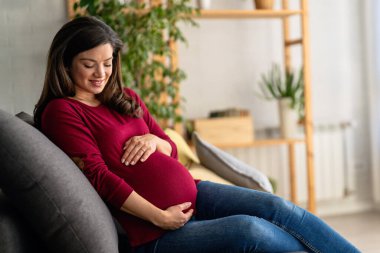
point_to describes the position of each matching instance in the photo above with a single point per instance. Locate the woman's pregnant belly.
(161, 180)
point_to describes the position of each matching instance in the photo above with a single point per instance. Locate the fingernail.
(142, 159)
(122, 160)
(133, 162)
(124, 148)
(126, 163)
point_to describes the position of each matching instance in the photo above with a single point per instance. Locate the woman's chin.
(97, 90)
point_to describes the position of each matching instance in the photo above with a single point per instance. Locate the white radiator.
(333, 163)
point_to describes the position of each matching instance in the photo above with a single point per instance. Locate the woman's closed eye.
(107, 65)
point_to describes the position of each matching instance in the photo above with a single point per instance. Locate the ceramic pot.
(288, 119)
(204, 4)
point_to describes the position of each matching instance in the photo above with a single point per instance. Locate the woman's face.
(91, 69)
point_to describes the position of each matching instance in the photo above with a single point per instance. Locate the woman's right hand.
(174, 217)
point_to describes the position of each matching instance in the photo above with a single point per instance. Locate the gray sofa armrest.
(51, 193)
(15, 235)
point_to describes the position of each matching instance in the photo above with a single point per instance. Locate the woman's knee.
(246, 233)
(284, 212)
(281, 205)
(253, 234)
(253, 228)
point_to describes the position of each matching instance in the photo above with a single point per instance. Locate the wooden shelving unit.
(244, 14)
(284, 14)
(263, 142)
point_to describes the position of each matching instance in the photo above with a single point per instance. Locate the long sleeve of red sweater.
(64, 125)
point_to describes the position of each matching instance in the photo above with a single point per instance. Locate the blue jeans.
(235, 219)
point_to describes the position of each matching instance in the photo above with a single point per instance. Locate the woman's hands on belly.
(172, 218)
(175, 216)
(139, 148)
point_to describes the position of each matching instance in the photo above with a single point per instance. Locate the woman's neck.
(91, 101)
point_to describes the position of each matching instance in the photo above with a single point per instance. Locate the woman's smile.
(97, 83)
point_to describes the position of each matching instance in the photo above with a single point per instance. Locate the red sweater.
(97, 135)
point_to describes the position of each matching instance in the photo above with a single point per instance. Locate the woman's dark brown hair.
(74, 37)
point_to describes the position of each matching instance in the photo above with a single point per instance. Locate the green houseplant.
(288, 89)
(148, 33)
(275, 86)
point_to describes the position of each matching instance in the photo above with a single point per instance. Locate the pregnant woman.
(132, 164)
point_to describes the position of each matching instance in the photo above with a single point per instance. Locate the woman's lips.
(97, 83)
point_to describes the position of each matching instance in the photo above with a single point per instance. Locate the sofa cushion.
(229, 167)
(185, 155)
(51, 193)
(200, 172)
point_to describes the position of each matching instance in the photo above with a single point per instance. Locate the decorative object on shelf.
(226, 130)
(264, 4)
(204, 4)
(289, 91)
(229, 112)
(149, 32)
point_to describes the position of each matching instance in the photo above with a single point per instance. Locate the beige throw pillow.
(185, 155)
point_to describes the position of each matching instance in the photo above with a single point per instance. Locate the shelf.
(264, 142)
(244, 14)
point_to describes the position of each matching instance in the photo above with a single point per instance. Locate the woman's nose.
(99, 71)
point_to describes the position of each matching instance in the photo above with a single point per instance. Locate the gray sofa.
(46, 203)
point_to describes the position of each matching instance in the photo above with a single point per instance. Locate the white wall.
(27, 29)
(372, 10)
(225, 58)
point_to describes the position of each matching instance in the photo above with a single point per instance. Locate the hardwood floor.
(361, 229)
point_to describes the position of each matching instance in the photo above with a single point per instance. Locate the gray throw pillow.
(51, 193)
(229, 167)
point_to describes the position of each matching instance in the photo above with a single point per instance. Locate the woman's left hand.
(139, 148)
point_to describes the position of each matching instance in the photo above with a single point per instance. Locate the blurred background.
(224, 60)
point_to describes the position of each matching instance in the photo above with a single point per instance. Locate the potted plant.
(288, 90)
(148, 33)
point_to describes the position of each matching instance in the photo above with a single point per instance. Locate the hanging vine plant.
(148, 31)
